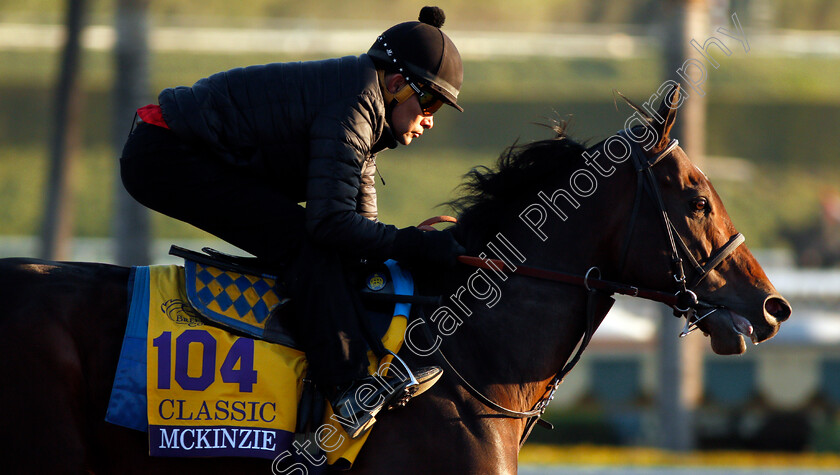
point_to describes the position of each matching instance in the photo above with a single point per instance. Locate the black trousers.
(251, 212)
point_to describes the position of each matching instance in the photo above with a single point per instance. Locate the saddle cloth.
(200, 391)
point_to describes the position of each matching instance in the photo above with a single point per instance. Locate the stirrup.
(415, 386)
(400, 400)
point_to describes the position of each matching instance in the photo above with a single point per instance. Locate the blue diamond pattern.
(242, 283)
(204, 276)
(228, 281)
(262, 287)
(242, 306)
(224, 301)
(260, 311)
(205, 295)
(224, 280)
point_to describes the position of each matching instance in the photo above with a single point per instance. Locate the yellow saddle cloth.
(207, 392)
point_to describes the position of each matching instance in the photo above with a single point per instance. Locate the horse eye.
(700, 204)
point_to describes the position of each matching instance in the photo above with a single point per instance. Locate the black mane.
(490, 194)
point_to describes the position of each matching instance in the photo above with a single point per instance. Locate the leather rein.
(684, 301)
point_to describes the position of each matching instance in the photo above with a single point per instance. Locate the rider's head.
(426, 59)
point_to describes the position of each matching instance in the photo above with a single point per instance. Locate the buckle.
(586, 277)
(686, 300)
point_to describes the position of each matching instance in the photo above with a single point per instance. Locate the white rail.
(574, 42)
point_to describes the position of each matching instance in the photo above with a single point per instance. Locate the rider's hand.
(431, 248)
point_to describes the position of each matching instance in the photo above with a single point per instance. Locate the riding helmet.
(422, 53)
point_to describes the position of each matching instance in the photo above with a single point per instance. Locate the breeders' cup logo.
(376, 281)
(181, 313)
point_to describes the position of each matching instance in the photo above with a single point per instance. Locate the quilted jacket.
(314, 127)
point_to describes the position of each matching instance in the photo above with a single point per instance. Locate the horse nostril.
(778, 307)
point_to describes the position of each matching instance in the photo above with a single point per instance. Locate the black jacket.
(314, 127)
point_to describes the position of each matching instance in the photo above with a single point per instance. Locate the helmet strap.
(394, 98)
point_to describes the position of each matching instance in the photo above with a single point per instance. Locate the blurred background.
(73, 71)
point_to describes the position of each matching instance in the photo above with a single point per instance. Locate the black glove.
(431, 248)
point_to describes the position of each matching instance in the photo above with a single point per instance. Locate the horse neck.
(511, 346)
(513, 343)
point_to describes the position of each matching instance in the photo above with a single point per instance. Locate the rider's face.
(408, 119)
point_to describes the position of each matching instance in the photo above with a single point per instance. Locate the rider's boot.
(357, 403)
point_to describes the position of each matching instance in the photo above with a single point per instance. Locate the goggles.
(429, 102)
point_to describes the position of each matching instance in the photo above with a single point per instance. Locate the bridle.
(684, 301)
(687, 302)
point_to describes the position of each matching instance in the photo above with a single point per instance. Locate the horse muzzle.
(728, 329)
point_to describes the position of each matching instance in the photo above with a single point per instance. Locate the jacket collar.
(386, 140)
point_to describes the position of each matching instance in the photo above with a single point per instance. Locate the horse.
(570, 215)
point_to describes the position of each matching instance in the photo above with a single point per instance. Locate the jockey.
(236, 154)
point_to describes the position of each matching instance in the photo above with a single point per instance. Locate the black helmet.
(422, 53)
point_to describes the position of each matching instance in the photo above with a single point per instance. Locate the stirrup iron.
(410, 389)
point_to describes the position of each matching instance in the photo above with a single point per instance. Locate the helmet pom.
(433, 16)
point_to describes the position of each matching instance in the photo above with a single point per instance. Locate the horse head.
(688, 221)
(634, 208)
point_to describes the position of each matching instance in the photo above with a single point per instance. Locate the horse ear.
(668, 110)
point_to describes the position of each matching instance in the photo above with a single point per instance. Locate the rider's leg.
(244, 208)
(335, 345)
(329, 327)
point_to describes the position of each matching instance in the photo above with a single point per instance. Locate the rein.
(586, 281)
(600, 291)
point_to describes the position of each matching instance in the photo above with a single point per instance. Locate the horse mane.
(490, 193)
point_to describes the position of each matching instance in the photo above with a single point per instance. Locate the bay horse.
(554, 205)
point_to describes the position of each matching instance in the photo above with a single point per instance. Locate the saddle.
(242, 295)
